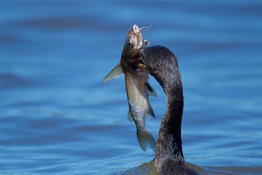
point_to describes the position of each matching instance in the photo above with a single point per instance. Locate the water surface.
(56, 117)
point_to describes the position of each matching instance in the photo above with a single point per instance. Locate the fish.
(137, 86)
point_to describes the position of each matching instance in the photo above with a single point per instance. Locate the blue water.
(56, 117)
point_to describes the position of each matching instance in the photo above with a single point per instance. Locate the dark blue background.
(56, 117)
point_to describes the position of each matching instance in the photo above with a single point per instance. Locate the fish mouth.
(136, 29)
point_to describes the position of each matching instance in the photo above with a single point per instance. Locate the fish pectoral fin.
(129, 116)
(150, 111)
(151, 91)
(114, 73)
(145, 138)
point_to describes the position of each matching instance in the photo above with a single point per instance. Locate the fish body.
(137, 86)
(139, 106)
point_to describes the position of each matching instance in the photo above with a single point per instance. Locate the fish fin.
(151, 91)
(129, 116)
(150, 111)
(145, 138)
(114, 73)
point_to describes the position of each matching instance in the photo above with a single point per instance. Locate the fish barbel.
(137, 86)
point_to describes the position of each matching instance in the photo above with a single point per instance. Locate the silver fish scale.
(138, 114)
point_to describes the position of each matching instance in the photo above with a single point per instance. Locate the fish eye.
(130, 44)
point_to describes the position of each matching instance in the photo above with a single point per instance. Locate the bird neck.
(169, 144)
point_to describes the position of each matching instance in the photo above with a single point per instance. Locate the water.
(58, 118)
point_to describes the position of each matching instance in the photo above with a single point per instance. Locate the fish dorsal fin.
(116, 72)
(151, 91)
(150, 111)
(129, 116)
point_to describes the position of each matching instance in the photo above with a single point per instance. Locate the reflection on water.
(149, 169)
(57, 118)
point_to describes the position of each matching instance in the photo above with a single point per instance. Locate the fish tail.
(145, 138)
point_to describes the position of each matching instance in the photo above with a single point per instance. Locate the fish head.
(134, 41)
